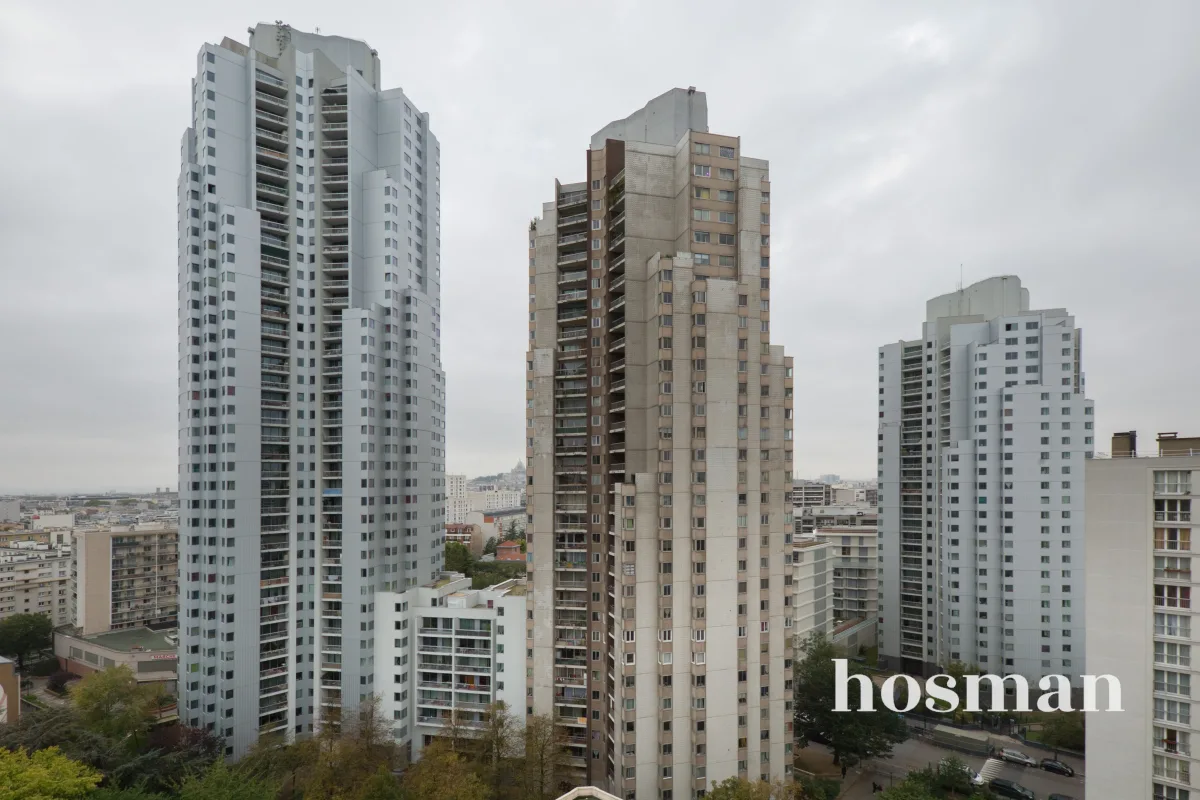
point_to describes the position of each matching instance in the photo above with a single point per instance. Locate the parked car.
(1005, 788)
(1051, 765)
(1017, 757)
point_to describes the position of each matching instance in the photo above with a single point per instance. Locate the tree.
(543, 761)
(24, 634)
(497, 744)
(57, 682)
(1063, 729)
(458, 558)
(345, 759)
(852, 736)
(113, 703)
(511, 530)
(442, 774)
(381, 786)
(219, 782)
(489, 547)
(44, 775)
(742, 789)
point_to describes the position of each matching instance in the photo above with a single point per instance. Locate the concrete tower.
(311, 391)
(659, 455)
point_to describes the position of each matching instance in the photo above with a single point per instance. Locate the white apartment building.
(811, 581)
(854, 553)
(1141, 622)
(446, 652)
(311, 391)
(495, 500)
(984, 431)
(659, 450)
(457, 505)
(36, 579)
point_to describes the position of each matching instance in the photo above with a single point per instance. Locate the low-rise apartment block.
(468, 535)
(855, 585)
(810, 580)
(452, 651)
(35, 579)
(125, 577)
(1140, 620)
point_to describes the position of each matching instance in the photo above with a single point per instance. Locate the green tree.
(44, 775)
(489, 547)
(1063, 729)
(458, 558)
(220, 782)
(114, 704)
(853, 736)
(132, 793)
(544, 758)
(24, 634)
(742, 789)
(381, 786)
(442, 774)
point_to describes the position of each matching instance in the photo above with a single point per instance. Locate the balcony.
(335, 164)
(264, 135)
(336, 199)
(572, 199)
(274, 103)
(335, 130)
(573, 220)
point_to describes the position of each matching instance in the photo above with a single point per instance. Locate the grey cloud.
(1054, 141)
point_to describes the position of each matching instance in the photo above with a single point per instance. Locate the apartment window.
(725, 152)
(726, 174)
(702, 193)
(1173, 654)
(1179, 625)
(701, 170)
(701, 149)
(1173, 539)
(1172, 481)
(701, 237)
(701, 214)
(1172, 682)
(726, 238)
(726, 195)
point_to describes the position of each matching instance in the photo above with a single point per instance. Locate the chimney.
(1124, 444)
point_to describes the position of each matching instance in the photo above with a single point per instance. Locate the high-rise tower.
(983, 433)
(659, 456)
(311, 392)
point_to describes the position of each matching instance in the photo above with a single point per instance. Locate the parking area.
(918, 753)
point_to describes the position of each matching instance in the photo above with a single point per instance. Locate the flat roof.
(126, 640)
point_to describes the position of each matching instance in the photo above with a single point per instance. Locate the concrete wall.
(1120, 621)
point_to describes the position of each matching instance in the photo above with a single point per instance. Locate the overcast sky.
(1056, 141)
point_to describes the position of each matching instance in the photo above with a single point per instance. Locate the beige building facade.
(659, 456)
(125, 577)
(1141, 622)
(35, 579)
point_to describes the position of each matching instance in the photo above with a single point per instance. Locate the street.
(917, 754)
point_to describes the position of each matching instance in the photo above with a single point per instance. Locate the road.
(918, 754)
